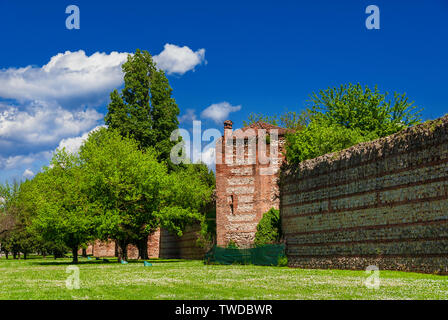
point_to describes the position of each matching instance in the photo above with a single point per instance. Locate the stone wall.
(185, 247)
(382, 203)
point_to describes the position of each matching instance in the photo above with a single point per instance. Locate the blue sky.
(258, 56)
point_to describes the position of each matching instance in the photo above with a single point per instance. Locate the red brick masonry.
(243, 191)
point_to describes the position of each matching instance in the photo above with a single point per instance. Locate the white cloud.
(208, 157)
(53, 105)
(76, 79)
(219, 112)
(72, 145)
(189, 115)
(28, 174)
(70, 77)
(17, 161)
(179, 60)
(41, 126)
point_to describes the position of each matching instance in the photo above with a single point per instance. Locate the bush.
(269, 228)
(232, 245)
(321, 137)
(283, 261)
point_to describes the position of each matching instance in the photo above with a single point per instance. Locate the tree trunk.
(14, 255)
(122, 251)
(75, 255)
(142, 246)
(84, 253)
(6, 254)
(24, 255)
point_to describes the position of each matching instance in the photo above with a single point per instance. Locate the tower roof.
(266, 126)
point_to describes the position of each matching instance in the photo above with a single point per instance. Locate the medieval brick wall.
(108, 249)
(104, 249)
(245, 189)
(161, 244)
(382, 203)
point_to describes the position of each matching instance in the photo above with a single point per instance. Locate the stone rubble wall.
(382, 203)
(185, 247)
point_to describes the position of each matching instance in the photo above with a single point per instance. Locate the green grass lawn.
(38, 278)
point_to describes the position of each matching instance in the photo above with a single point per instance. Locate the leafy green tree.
(269, 229)
(207, 234)
(320, 138)
(342, 117)
(188, 197)
(15, 236)
(135, 192)
(8, 220)
(64, 214)
(145, 110)
(125, 183)
(355, 107)
(8, 194)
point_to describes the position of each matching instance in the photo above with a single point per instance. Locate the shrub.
(269, 228)
(232, 245)
(321, 137)
(282, 261)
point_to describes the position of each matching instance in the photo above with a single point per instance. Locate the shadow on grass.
(103, 261)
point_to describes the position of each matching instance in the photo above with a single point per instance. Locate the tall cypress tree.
(145, 109)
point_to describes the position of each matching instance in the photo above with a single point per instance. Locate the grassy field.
(176, 279)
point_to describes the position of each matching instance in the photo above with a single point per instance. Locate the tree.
(63, 213)
(320, 137)
(15, 236)
(145, 110)
(135, 192)
(363, 109)
(342, 117)
(188, 197)
(125, 183)
(269, 229)
(7, 196)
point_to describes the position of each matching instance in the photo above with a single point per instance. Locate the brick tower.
(247, 169)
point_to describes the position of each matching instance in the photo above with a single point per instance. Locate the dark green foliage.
(232, 245)
(206, 176)
(283, 261)
(269, 229)
(265, 255)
